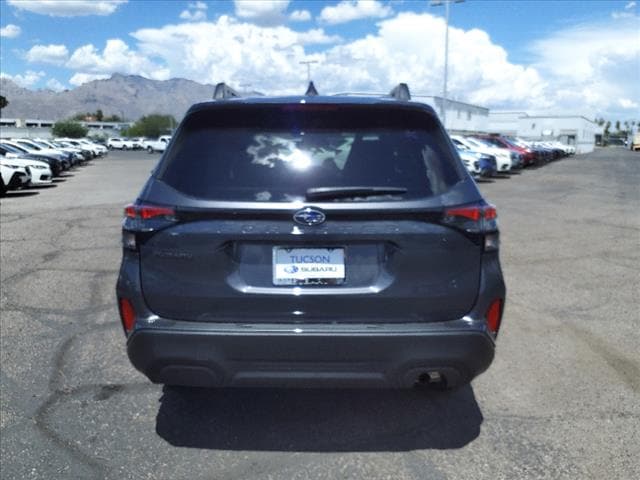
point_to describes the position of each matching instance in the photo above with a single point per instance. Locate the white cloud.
(26, 80)
(268, 57)
(619, 15)
(587, 69)
(193, 15)
(317, 36)
(10, 31)
(81, 78)
(52, 54)
(68, 8)
(300, 16)
(628, 104)
(116, 57)
(262, 12)
(55, 85)
(195, 12)
(630, 5)
(589, 66)
(232, 51)
(349, 10)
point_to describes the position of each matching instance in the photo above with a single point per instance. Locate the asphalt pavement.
(561, 400)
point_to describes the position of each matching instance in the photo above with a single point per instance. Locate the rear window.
(277, 153)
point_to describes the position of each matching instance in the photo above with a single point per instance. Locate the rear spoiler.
(400, 92)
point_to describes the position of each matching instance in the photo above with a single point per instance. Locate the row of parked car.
(489, 155)
(151, 145)
(29, 162)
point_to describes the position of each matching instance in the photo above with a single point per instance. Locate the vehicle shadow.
(20, 193)
(318, 420)
(42, 187)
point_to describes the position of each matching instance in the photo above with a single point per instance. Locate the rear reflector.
(145, 212)
(494, 316)
(127, 314)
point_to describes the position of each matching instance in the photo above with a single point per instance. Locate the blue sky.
(563, 56)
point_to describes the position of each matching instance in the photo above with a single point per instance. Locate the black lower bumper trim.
(288, 359)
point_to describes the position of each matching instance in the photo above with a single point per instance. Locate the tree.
(3, 102)
(112, 118)
(617, 125)
(69, 129)
(99, 115)
(151, 126)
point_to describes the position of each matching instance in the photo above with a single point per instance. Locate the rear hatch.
(309, 212)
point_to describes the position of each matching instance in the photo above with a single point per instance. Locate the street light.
(437, 3)
(308, 64)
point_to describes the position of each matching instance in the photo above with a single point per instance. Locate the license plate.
(308, 266)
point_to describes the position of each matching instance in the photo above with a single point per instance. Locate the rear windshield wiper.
(347, 192)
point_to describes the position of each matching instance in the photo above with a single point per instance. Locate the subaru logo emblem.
(309, 216)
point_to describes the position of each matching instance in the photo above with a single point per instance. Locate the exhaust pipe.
(430, 377)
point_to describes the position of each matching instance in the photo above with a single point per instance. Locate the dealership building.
(569, 129)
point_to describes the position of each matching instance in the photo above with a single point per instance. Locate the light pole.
(437, 3)
(308, 64)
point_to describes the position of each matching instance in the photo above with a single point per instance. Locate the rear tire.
(149, 149)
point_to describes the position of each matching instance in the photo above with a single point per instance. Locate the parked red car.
(528, 155)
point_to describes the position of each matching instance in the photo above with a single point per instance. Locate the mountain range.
(130, 96)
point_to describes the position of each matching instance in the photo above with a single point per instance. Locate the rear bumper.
(319, 355)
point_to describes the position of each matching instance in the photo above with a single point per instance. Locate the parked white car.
(63, 147)
(85, 144)
(39, 172)
(158, 145)
(138, 142)
(33, 147)
(470, 161)
(12, 176)
(503, 156)
(119, 144)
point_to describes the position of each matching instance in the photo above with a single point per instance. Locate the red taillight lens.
(130, 211)
(490, 212)
(127, 314)
(473, 219)
(494, 316)
(471, 213)
(145, 212)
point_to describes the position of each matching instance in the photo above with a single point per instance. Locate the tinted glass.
(275, 154)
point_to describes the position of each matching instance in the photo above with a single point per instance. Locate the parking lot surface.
(562, 399)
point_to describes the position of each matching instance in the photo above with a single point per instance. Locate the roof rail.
(311, 90)
(224, 91)
(401, 92)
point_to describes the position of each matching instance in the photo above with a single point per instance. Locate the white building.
(36, 128)
(570, 129)
(460, 117)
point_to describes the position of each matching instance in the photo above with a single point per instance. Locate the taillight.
(127, 314)
(146, 212)
(141, 220)
(478, 220)
(494, 316)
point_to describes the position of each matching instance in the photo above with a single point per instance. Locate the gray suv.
(310, 241)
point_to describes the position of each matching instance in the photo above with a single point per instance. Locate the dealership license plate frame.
(281, 278)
